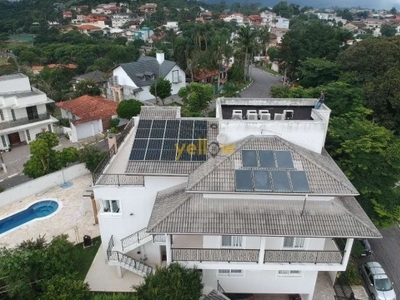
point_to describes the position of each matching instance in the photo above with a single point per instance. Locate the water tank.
(87, 241)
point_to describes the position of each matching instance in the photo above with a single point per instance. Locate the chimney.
(160, 57)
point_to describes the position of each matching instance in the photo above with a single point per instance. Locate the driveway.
(262, 83)
(386, 251)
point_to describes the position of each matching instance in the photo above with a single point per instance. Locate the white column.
(262, 251)
(168, 246)
(119, 272)
(347, 251)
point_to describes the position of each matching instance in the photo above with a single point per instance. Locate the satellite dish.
(221, 138)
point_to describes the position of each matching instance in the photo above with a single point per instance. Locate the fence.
(42, 184)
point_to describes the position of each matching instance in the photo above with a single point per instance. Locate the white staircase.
(117, 258)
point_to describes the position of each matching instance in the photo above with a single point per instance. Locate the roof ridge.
(175, 207)
(338, 204)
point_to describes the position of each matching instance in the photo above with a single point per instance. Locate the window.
(13, 115)
(231, 241)
(1, 115)
(28, 135)
(231, 273)
(290, 273)
(293, 242)
(175, 76)
(111, 206)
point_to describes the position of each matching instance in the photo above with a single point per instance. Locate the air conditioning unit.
(279, 117)
(237, 115)
(251, 115)
(264, 114)
(289, 114)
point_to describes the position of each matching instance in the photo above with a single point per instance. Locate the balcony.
(215, 255)
(23, 121)
(252, 256)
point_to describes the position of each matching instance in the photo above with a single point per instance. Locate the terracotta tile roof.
(52, 66)
(89, 108)
(88, 27)
(203, 74)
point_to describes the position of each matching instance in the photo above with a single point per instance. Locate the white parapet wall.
(42, 184)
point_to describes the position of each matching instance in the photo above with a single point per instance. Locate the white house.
(268, 17)
(133, 80)
(251, 197)
(119, 20)
(23, 111)
(237, 17)
(171, 25)
(88, 115)
(282, 23)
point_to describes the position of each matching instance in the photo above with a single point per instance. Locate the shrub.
(357, 249)
(129, 108)
(352, 274)
(114, 122)
(64, 122)
(91, 156)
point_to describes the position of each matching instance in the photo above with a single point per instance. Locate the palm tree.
(247, 42)
(264, 37)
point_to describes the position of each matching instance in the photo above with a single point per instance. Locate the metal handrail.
(23, 121)
(303, 256)
(118, 179)
(117, 256)
(220, 288)
(134, 238)
(125, 132)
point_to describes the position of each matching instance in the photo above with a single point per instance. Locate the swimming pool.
(37, 210)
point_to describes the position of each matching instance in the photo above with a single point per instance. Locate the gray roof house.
(133, 80)
(250, 198)
(98, 77)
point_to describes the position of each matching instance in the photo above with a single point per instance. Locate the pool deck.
(73, 219)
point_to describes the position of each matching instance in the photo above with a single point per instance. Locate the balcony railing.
(119, 179)
(134, 238)
(227, 255)
(252, 255)
(298, 256)
(159, 238)
(23, 121)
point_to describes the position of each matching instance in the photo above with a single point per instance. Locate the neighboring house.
(37, 69)
(255, 19)
(282, 23)
(67, 14)
(171, 25)
(88, 115)
(133, 80)
(211, 77)
(250, 198)
(119, 20)
(144, 34)
(98, 77)
(23, 111)
(237, 17)
(268, 17)
(147, 8)
(88, 28)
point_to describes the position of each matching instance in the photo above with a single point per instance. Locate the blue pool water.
(38, 210)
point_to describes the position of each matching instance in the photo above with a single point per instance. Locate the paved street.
(386, 251)
(262, 83)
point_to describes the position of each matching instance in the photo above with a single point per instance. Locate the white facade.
(282, 23)
(268, 16)
(130, 90)
(172, 25)
(235, 17)
(119, 20)
(23, 112)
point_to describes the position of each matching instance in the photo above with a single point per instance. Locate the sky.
(377, 4)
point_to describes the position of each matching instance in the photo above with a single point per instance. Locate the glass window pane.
(299, 243)
(226, 240)
(115, 206)
(288, 242)
(236, 241)
(106, 206)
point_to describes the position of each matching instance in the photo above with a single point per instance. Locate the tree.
(129, 108)
(318, 71)
(118, 296)
(393, 11)
(161, 88)
(44, 159)
(196, 98)
(91, 156)
(283, 9)
(247, 41)
(383, 97)
(273, 53)
(369, 155)
(87, 87)
(26, 269)
(171, 283)
(65, 288)
(388, 30)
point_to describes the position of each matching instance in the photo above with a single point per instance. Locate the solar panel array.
(170, 140)
(270, 171)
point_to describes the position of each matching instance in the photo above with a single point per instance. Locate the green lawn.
(86, 257)
(3, 60)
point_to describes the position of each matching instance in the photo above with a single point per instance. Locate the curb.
(8, 177)
(251, 82)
